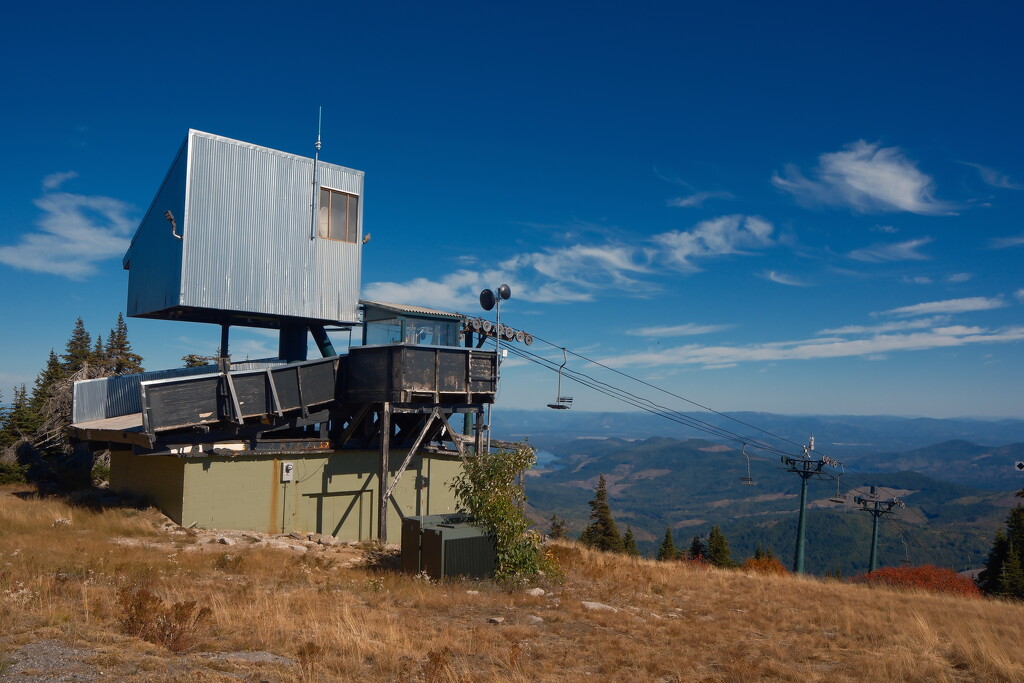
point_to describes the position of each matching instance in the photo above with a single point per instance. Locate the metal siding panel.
(155, 255)
(250, 222)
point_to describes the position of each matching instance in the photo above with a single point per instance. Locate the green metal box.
(457, 550)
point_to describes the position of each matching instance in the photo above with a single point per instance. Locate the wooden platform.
(124, 429)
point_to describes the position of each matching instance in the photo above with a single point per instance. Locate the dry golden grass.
(673, 622)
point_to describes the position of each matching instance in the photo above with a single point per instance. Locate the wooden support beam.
(354, 424)
(385, 442)
(452, 433)
(415, 447)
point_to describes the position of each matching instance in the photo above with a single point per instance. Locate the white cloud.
(896, 251)
(865, 177)
(1019, 295)
(74, 233)
(958, 277)
(965, 305)
(579, 272)
(715, 237)
(1006, 242)
(698, 198)
(55, 180)
(783, 279)
(808, 349)
(888, 229)
(676, 330)
(994, 178)
(894, 326)
(919, 280)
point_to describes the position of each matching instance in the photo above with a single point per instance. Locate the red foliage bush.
(764, 565)
(926, 577)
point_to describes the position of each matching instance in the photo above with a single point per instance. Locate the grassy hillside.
(323, 614)
(694, 484)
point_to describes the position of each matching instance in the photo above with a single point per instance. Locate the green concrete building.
(332, 493)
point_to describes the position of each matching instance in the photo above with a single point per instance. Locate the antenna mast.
(316, 161)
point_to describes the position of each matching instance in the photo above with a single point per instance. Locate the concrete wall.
(332, 494)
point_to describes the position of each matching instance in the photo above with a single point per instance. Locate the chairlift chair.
(747, 480)
(561, 402)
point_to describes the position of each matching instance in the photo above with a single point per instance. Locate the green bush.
(12, 474)
(487, 490)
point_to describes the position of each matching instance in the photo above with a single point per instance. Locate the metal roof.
(406, 309)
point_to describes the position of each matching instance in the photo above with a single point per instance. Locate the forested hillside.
(689, 486)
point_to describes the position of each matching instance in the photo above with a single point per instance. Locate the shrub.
(926, 577)
(765, 565)
(145, 616)
(488, 491)
(11, 473)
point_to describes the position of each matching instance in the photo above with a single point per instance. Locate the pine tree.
(78, 350)
(1007, 547)
(601, 533)
(98, 357)
(121, 359)
(629, 542)
(1011, 574)
(667, 549)
(21, 420)
(45, 380)
(718, 549)
(557, 529)
(698, 551)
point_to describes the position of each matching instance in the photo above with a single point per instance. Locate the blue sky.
(792, 208)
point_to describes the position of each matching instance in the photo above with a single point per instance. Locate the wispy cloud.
(716, 237)
(965, 305)
(919, 280)
(783, 279)
(1006, 242)
(958, 277)
(1019, 295)
(994, 178)
(55, 180)
(685, 330)
(579, 272)
(866, 178)
(810, 349)
(893, 326)
(896, 251)
(888, 229)
(698, 198)
(74, 233)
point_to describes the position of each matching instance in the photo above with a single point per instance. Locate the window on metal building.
(338, 218)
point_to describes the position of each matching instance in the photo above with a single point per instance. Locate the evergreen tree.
(1011, 574)
(718, 549)
(601, 533)
(78, 350)
(21, 420)
(557, 529)
(98, 357)
(45, 380)
(667, 549)
(121, 360)
(1007, 548)
(698, 551)
(989, 578)
(629, 542)
(758, 553)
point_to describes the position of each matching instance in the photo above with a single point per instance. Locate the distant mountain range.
(690, 485)
(842, 436)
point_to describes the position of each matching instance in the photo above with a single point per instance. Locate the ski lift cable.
(638, 401)
(682, 398)
(647, 404)
(906, 533)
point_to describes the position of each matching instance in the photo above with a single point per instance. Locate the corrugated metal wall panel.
(154, 257)
(248, 243)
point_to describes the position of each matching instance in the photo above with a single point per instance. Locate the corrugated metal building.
(240, 234)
